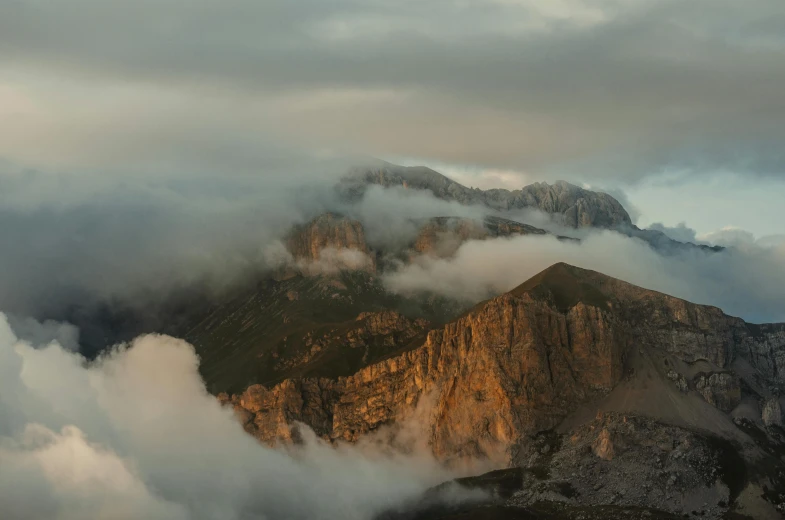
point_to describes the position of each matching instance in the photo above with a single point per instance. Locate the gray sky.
(678, 103)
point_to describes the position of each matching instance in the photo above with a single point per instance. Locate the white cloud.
(135, 435)
(747, 282)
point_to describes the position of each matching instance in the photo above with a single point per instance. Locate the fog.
(135, 435)
(85, 239)
(747, 282)
(81, 240)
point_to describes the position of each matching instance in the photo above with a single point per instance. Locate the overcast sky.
(679, 104)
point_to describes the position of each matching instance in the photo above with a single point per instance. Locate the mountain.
(599, 392)
(569, 205)
(307, 326)
(575, 206)
(327, 312)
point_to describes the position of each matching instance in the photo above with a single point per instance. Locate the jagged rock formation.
(575, 206)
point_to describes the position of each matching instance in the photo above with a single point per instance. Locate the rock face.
(763, 348)
(516, 365)
(578, 207)
(719, 389)
(575, 206)
(331, 233)
(540, 364)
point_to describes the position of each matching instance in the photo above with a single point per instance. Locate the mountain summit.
(575, 206)
(568, 205)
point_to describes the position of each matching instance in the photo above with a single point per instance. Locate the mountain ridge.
(570, 205)
(491, 382)
(577, 206)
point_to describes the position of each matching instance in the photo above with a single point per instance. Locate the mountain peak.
(566, 285)
(572, 205)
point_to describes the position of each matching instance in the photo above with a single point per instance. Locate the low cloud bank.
(131, 240)
(136, 245)
(747, 282)
(330, 261)
(392, 217)
(135, 435)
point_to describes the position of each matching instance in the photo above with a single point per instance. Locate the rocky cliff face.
(511, 367)
(720, 389)
(330, 233)
(515, 365)
(576, 206)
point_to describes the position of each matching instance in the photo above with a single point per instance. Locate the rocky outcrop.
(771, 413)
(602, 446)
(764, 347)
(721, 389)
(576, 206)
(679, 380)
(334, 234)
(572, 205)
(385, 323)
(514, 365)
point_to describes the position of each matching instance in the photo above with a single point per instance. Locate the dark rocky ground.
(621, 467)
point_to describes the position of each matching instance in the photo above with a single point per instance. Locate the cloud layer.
(135, 435)
(597, 90)
(747, 282)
